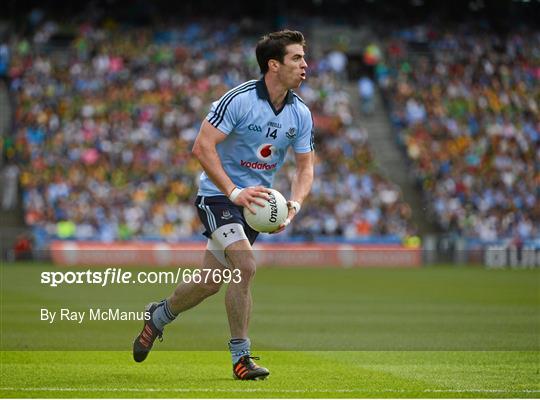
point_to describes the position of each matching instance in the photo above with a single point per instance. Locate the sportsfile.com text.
(111, 276)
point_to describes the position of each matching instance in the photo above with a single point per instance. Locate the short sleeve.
(304, 141)
(224, 113)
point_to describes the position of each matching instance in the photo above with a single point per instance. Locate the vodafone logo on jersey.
(264, 153)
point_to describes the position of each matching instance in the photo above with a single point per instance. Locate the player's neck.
(276, 91)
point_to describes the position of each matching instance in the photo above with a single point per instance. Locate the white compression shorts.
(222, 238)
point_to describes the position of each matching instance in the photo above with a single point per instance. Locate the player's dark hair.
(272, 46)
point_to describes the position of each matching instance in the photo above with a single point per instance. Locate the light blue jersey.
(258, 135)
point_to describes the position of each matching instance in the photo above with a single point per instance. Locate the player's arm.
(301, 184)
(303, 178)
(204, 149)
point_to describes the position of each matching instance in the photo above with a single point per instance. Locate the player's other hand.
(252, 195)
(290, 217)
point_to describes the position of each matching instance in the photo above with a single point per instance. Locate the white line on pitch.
(262, 390)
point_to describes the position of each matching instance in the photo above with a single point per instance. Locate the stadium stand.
(466, 110)
(104, 127)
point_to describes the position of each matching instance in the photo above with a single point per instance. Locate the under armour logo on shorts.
(230, 231)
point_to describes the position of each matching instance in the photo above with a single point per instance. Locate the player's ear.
(273, 65)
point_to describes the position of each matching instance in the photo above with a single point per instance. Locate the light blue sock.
(239, 348)
(162, 315)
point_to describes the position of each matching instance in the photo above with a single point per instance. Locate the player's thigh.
(210, 261)
(212, 272)
(240, 255)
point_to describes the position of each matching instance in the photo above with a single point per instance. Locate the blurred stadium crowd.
(467, 112)
(103, 134)
(103, 131)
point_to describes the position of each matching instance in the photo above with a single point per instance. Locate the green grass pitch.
(332, 333)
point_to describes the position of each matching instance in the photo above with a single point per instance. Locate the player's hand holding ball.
(265, 210)
(250, 197)
(293, 209)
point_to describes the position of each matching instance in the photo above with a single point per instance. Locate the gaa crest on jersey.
(291, 133)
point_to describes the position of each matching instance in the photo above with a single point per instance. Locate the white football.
(269, 217)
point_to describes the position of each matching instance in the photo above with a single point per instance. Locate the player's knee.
(246, 265)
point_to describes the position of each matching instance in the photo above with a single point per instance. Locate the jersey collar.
(262, 93)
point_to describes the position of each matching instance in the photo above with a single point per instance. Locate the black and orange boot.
(246, 370)
(144, 342)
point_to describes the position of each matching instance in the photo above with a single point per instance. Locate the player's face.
(293, 69)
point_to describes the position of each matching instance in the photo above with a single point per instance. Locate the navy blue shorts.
(216, 211)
